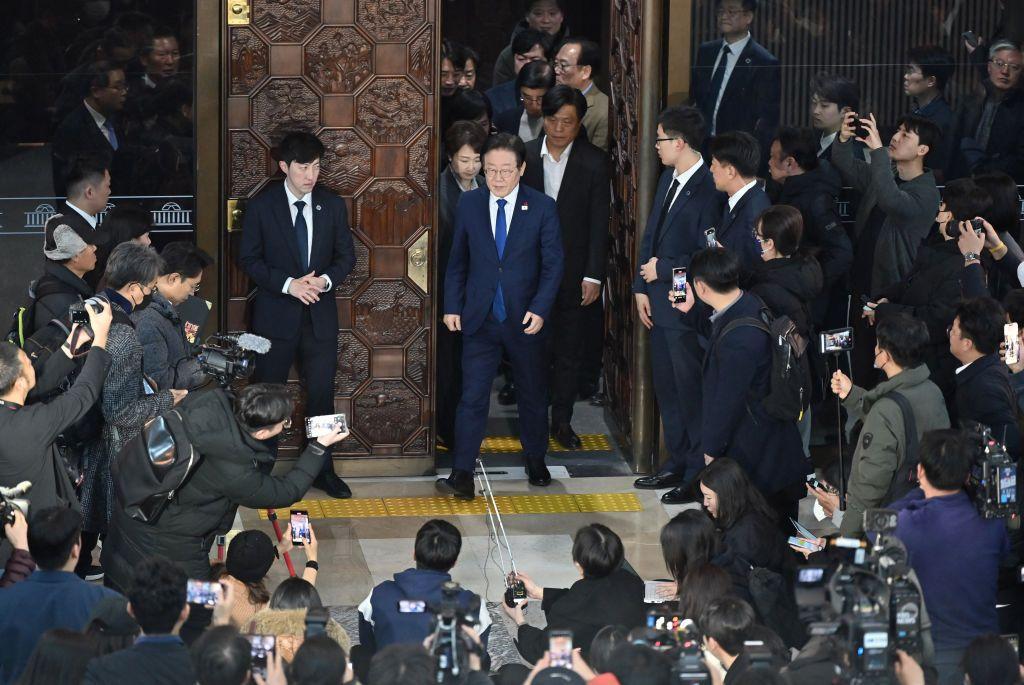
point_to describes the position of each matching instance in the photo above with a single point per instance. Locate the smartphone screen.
(300, 527)
(204, 593)
(560, 649)
(262, 649)
(679, 285)
(1012, 341)
(803, 543)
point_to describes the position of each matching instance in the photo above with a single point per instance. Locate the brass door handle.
(238, 12)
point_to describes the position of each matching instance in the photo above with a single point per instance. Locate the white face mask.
(874, 364)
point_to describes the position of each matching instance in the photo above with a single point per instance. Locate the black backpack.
(789, 395)
(23, 322)
(151, 467)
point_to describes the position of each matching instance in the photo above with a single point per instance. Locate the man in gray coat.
(167, 355)
(882, 464)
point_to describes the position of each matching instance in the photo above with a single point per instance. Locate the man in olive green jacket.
(880, 458)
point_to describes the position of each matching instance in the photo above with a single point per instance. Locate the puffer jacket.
(227, 476)
(166, 354)
(788, 285)
(289, 626)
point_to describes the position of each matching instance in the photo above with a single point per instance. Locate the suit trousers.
(592, 359)
(676, 362)
(481, 355)
(317, 362)
(449, 382)
(567, 344)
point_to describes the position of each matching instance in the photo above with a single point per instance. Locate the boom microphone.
(250, 342)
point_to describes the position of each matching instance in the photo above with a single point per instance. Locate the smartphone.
(978, 225)
(322, 425)
(679, 284)
(204, 593)
(859, 129)
(1012, 341)
(711, 237)
(300, 527)
(836, 341)
(813, 481)
(804, 543)
(560, 648)
(801, 531)
(970, 37)
(262, 649)
(411, 606)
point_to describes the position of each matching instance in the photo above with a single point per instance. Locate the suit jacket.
(78, 135)
(737, 372)
(1005, 149)
(697, 207)
(984, 395)
(736, 231)
(161, 661)
(752, 98)
(530, 271)
(503, 97)
(583, 206)
(596, 119)
(270, 255)
(509, 120)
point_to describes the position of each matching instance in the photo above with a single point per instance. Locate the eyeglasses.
(658, 141)
(503, 174)
(533, 100)
(146, 289)
(560, 65)
(999, 64)
(196, 288)
(119, 87)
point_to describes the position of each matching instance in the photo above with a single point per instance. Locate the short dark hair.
(557, 3)
(295, 593)
(114, 39)
(438, 544)
(402, 664)
(60, 656)
(184, 258)
(590, 53)
(928, 132)
(132, 263)
(946, 457)
(465, 54)
(83, 171)
(450, 50)
(536, 74)
(689, 540)
(463, 133)
(605, 641)
(1013, 303)
(157, 594)
(507, 141)
(52, 532)
(468, 105)
(727, 620)
(125, 222)
(686, 122)
(319, 659)
(801, 144)
(990, 659)
(933, 61)
(162, 31)
(965, 199)
(221, 656)
(839, 90)
(716, 267)
(262, 405)
(560, 96)
(1004, 212)
(784, 225)
(523, 41)
(10, 365)
(598, 550)
(981, 322)
(300, 146)
(748, 5)
(737, 494)
(633, 664)
(97, 74)
(904, 338)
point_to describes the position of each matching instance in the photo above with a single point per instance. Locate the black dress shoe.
(587, 390)
(334, 486)
(537, 473)
(566, 437)
(507, 395)
(459, 483)
(665, 479)
(683, 494)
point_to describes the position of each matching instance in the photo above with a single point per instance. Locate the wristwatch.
(971, 256)
(313, 565)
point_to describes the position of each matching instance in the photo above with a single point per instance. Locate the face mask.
(96, 10)
(874, 364)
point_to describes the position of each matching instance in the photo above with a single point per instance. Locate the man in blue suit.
(503, 275)
(685, 205)
(734, 160)
(296, 248)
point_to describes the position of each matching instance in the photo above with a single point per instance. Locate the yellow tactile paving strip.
(597, 442)
(446, 506)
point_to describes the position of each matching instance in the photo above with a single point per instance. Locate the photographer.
(229, 433)
(69, 257)
(28, 433)
(167, 355)
(941, 529)
(414, 665)
(882, 459)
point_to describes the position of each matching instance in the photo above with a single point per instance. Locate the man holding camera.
(229, 433)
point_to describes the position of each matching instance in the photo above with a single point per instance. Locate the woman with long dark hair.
(60, 656)
(688, 541)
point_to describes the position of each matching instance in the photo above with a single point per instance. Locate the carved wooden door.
(360, 74)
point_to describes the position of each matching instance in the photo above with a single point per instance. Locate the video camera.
(228, 357)
(679, 638)
(11, 499)
(866, 606)
(993, 480)
(450, 646)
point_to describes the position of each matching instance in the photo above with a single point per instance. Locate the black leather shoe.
(333, 485)
(507, 395)
(459, 484)
(537, 473)
(683, 494)
(587, 390)
(566, 437)
(665, 479)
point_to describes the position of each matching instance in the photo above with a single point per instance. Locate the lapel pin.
(318, 208)
(747, 61)
(525, 206)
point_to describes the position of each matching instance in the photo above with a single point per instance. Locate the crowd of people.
(745, 266)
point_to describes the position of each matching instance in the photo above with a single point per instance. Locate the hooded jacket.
(227, 476)
(166, 353)
(63, 288)
(787, 286)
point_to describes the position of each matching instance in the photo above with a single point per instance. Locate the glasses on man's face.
(503, 174)
(119, 87)
(531, 99)
(562, 65)
(659, 141)
(1013, 67)
(195, 288)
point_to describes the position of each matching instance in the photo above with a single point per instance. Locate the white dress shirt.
(307, 213)
(738, 195)
(529, 128)
(554, 170)
(93, 220)
(509, 209)
(100, 121)
(684, 178)
(732, 58)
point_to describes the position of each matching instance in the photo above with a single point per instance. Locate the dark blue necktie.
(500, 234)
(302, 235)
(111, 134)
